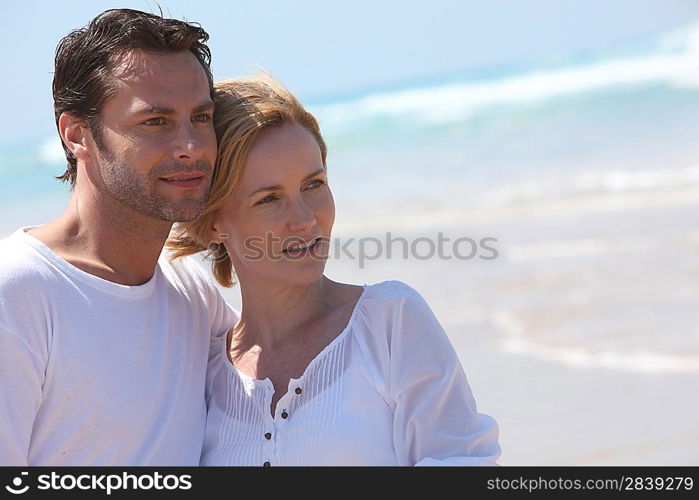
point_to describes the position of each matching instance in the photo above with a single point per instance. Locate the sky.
(322, 48)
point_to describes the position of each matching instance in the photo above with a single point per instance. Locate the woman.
(316, 372)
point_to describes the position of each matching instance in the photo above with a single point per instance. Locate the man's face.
(157, 144)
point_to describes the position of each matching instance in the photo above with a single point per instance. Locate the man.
(103, 341)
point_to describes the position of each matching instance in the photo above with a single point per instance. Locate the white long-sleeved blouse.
(388, 390)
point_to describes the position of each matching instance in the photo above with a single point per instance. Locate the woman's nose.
(302, 218)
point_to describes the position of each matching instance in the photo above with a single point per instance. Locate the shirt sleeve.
(226, 319)
(223, 316)
(436, 420)
(21, 379)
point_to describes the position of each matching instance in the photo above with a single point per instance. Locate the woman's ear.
(74, 134)
(216, 233)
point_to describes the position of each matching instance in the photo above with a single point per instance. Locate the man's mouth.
(184, 180)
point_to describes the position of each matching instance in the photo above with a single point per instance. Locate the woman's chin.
(304, 276)
(286, 273)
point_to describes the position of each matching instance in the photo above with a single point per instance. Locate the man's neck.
(116, 245)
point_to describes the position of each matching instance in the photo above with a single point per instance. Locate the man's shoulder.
(24, 279)
(185, 267)
(19, 262)
(189, 275)
(187, 272)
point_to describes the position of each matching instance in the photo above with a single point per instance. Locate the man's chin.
(182, 212)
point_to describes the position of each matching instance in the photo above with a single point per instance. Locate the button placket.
(270, 430)
(285, 403)
(274, 443)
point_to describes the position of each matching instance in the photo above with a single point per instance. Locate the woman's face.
(282, 204)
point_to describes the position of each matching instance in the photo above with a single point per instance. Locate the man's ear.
(75, 134)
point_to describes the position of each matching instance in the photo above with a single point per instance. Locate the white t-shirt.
(97, 373)
(389, 390)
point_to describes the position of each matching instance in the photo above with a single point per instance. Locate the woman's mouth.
(301, 249)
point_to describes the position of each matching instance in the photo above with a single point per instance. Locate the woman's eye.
(266, 199)
(315, 184)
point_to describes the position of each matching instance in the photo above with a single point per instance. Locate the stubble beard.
(136, 192)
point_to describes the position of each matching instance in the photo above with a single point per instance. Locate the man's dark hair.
(85, 57)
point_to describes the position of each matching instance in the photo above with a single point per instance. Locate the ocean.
(615, 122)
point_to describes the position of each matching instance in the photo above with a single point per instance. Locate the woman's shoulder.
(390, 305)
(391, 289)
(398, 324)
(392, 295)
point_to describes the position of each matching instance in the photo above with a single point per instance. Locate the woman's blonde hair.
(243, 109)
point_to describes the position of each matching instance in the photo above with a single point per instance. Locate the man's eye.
(203, 118)
(155, 121)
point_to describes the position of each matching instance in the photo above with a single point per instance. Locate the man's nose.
(188, 143)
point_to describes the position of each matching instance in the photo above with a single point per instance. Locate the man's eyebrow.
(155, 110)
(202, 108)
(158, 110)
(321, 170)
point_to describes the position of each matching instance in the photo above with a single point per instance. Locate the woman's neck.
(270, 311)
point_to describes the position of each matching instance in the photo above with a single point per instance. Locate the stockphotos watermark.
(365, 249)
(105, 483)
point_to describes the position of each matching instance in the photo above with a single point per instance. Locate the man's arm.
(21, 378)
